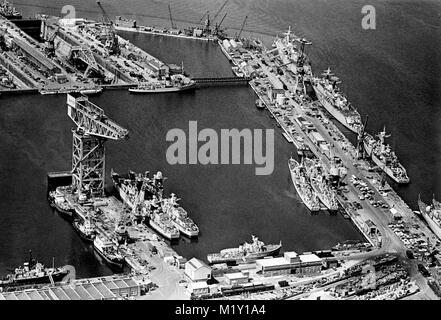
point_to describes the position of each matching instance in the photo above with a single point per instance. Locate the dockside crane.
(241, 28)
(217, 29)
(219, 11)
(203, 16)
(173, 26)
(93, 129)
(111, 38)
(303, 43)
(360, 150)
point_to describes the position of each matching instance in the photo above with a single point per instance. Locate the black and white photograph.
(220, 154)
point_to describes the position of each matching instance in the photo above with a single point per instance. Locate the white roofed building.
(197, 270)
(290, 263)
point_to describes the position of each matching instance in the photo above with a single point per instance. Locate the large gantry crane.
(88, 151)
(110, 36)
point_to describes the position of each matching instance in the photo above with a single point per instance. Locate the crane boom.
(222, 20)
(171, 17)
(88, 139)
(220, 9)
(241, 28)
(203, 16)
(91, 118)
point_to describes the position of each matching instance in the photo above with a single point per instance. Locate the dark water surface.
(391, 73)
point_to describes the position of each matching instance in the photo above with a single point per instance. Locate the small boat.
(85, 229)
(91, 91)
(108, 251)
(259, 104)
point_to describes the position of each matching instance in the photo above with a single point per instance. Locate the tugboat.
(245, 253)
(108, 251)
(259, 104)
(57, 200)
(33, 272)
(85, 229)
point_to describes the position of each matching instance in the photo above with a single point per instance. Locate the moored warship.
(301, 183)
(432, 214)
(245, 253)
(335, 102)
(383, 156)
(321, 185)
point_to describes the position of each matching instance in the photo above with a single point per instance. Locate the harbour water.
(390, 73)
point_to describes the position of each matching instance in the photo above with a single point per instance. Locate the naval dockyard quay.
(227, 152)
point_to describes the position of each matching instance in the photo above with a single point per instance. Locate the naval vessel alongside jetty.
(144, 196)
(245, 253)
(384, 157)
(33, 272)
(333, 100)
(432, 215)
(300, 179)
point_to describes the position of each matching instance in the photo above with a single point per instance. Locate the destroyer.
(179, 217)
(432, 214)
(320, 185)
(33, 272)
(159, 220)
(383, 156)
(301, 183)
(245, 253)
(335, 103)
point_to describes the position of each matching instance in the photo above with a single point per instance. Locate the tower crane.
(111, 39)
(88, 138)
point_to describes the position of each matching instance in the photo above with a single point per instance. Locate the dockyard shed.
(236, 278)
(197, 270)
(198, 288)
(273, 267)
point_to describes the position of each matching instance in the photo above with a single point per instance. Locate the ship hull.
(119, 264)
(57, 277)
(67, 213)
(323, 199)
(307, 203)
(84, 236)
(163, 90)
(185, 232)
(387, 170)
(333, 111)
(162, 232)
(367, 148)
(212, 259)
(432, 225)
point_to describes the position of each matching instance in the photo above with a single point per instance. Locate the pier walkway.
(222, 81)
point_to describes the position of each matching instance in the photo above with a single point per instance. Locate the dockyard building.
(196, 270)
(291, 263)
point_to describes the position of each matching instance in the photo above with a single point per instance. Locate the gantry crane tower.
(88, 151)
